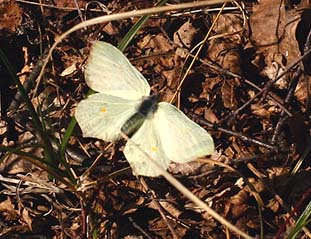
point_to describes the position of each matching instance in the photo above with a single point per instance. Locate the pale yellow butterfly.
(123, 103)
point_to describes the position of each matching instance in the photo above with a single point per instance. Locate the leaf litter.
(264, 136)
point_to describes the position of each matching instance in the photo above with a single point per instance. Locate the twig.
(264, 89)
(288, 98)
(291, 92)
(158, 206)
(239, 135)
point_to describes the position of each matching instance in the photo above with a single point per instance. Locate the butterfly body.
(147, 107)
(123, 104)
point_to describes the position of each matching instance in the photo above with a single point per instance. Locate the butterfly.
(123, 104)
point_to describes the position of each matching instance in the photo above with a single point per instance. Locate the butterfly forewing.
(109, 71)
(102, 116)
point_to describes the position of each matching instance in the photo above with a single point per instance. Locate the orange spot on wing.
(103, 109)
(154, 149)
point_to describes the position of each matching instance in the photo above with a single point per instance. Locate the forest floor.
(249, 87)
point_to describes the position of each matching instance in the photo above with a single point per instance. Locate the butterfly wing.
(102, 116)
(148, 141)
(182, 139)
(109, 71)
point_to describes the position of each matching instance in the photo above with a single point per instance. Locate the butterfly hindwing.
(182, 139)
(109, 71)
(148, 141)
(102, 116)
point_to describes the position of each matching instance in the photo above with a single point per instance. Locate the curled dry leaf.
(210, 116)
(26, 217)
(69, 70)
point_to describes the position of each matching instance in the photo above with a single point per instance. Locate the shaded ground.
(249, 88)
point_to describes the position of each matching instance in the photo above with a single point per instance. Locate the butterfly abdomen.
(147, 106)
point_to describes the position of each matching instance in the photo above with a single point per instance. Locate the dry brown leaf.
(273, 205)
(10, 16)
(160, 53)
(13, 230)
(277, 44)
(184, 35)
(302, 88)
(158, 43)
(229, 152)
(225, 51)
(8, 211)
(266, 14)
(111, 29)
(186, 169)
(264, 110)
(26, 218)
(69, 70)
(210, 116)
(228, 94)
(239, 203)
(169, 207)
(299, 133)
(172, 77)
(230, 24)
(259, 110)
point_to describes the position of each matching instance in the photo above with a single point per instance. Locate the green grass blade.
(39, 162)
(33, 113)
(34, 116)
(52, 157)
(132, 32)
(67, 135)
(301, 222)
